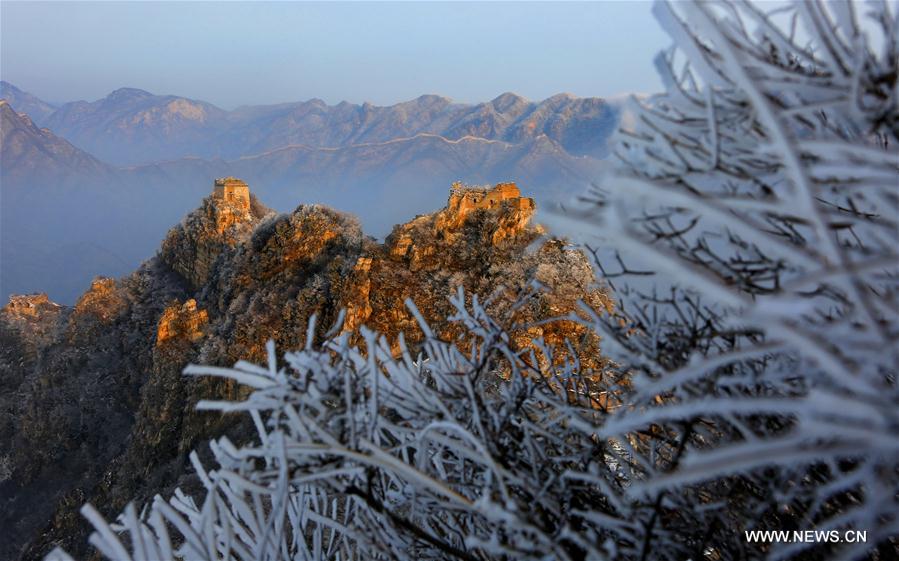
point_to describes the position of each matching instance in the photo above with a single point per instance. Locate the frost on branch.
(467, 451)
(749, 231)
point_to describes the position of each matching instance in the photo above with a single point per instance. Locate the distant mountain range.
(101, 183)
(131, 126)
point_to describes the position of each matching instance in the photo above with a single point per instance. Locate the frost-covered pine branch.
(750, 233)
(460, 452)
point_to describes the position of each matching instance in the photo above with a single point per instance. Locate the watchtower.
(232, 190)
(500, 193)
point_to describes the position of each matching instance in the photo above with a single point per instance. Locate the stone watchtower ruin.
(466, 198)
(232, 190)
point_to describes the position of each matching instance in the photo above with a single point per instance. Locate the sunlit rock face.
(27, 323)
(507, 212)
(29, 306)
(225, 218)
(478, 242)
(95, 406)
(513, 211)
(181, 321)
(102, 300)
(358, 302)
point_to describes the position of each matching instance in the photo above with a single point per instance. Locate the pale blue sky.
(243, 53)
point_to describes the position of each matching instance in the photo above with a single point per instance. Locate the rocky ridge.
(97, 408)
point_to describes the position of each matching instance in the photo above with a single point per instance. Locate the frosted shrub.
(453, 453)
(750, 233)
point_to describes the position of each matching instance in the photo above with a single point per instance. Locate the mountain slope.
(131, 125)
(35, 154)
(97, 408)
(66, 216)
(37, 108)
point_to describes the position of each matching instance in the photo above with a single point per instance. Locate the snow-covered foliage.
(459, 452)
(749, 231)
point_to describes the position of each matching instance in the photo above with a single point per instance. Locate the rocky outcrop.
(358, 303)
(102, 300)
(28, 324)
(102, 412)
(513, 211)
(66, 414)
(481, 216)
(478, 242)
(193, 247)
(182, 321)
(32, 318)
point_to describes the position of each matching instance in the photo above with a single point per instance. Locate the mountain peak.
(226, 217)
(505, 212)
(125, 94)
(38, 154)
(559, 98)
(507, 100)
(429, 99)
(28, 305)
